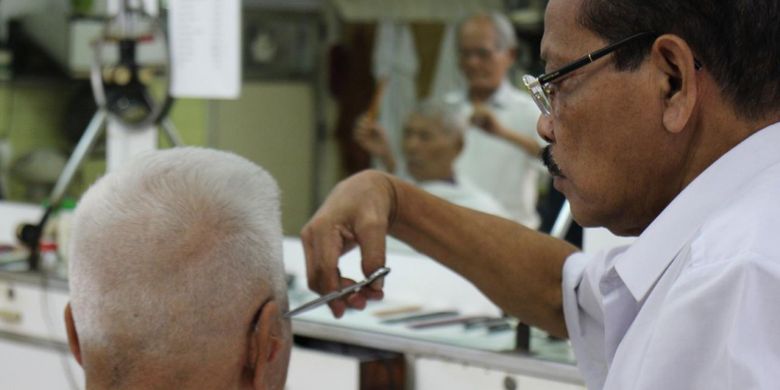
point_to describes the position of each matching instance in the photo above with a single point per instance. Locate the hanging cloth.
(448, 77)
(395, 62)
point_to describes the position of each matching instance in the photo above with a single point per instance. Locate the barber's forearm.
(516, 267)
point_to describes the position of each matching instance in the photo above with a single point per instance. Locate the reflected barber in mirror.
(501, 145)
(176, 276)
(658, 128)
(500, 148)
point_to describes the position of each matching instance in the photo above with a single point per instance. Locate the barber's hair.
(446, 115)
(737, 41)
(172, 255)
(505, 32)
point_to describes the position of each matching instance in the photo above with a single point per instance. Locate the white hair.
(505, 33)
(447, 115)
(174, 252)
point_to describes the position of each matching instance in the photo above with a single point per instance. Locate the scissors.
(380, 273)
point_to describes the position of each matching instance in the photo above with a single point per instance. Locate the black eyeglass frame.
(590, 57)
(537, 85)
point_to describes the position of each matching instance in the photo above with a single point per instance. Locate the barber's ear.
(269, 348)
(674, 60)
(73, 336)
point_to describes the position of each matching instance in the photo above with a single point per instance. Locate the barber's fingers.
(371, 233)
(356, 212)
(365, 126)
(359, 299)
(322, 248)
(481, 120)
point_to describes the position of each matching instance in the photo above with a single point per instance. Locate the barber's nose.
(544, 127)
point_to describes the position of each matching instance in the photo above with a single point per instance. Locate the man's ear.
(678, 81)
(269, 348)
(73, 336)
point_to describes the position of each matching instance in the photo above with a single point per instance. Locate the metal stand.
(30, 235)
(562, 222)
(120, 30)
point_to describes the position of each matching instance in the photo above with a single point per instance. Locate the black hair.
(737, 41)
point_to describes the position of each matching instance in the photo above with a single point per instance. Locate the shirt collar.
(500, 98)
(645, 261)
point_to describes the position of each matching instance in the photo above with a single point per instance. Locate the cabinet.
(33, 343)
(429, 374)
(26, 366)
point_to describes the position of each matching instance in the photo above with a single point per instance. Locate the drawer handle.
(10, 317)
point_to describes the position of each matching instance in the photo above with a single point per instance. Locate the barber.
(501, 149)
(672, 136)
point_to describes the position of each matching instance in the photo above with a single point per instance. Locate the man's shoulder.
(745, 226)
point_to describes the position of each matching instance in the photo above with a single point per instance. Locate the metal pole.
(83, 148)
(170, 132)
(562, 222)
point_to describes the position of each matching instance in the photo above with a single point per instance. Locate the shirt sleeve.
(584, 316)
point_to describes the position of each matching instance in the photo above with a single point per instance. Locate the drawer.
(431, 374)
(30, 311)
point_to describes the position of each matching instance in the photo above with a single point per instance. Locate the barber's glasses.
(539, 87)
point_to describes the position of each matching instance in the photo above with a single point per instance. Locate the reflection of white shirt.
(464, 193)
(496, 166)
(694, 302)
(461, 193)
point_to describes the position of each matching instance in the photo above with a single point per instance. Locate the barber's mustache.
(550, 163)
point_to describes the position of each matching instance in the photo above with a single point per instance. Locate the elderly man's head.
(432, 140)
(629, 131)
(486, 51)
(176, 275)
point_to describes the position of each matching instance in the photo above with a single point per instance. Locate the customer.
(176, 276)
(432, 141)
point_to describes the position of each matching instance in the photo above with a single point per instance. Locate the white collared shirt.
(694, 302)
(503, 170)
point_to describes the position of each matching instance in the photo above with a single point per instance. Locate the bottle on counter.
(63, 224)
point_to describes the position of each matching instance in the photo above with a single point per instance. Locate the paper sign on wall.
(151, 7)
(205, 39)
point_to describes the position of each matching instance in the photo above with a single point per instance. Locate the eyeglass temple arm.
(578, 63)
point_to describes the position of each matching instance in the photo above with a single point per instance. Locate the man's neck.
(481, 95)
(720, 130)
(151, 378)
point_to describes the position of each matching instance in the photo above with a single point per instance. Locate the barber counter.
(372, 349)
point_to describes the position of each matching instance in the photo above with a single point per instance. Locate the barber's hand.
(486, 120)
(371, 136)
(357, 212)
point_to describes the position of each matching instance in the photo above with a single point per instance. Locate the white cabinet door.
(24, 366)
(431, 374)
(310, 369)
